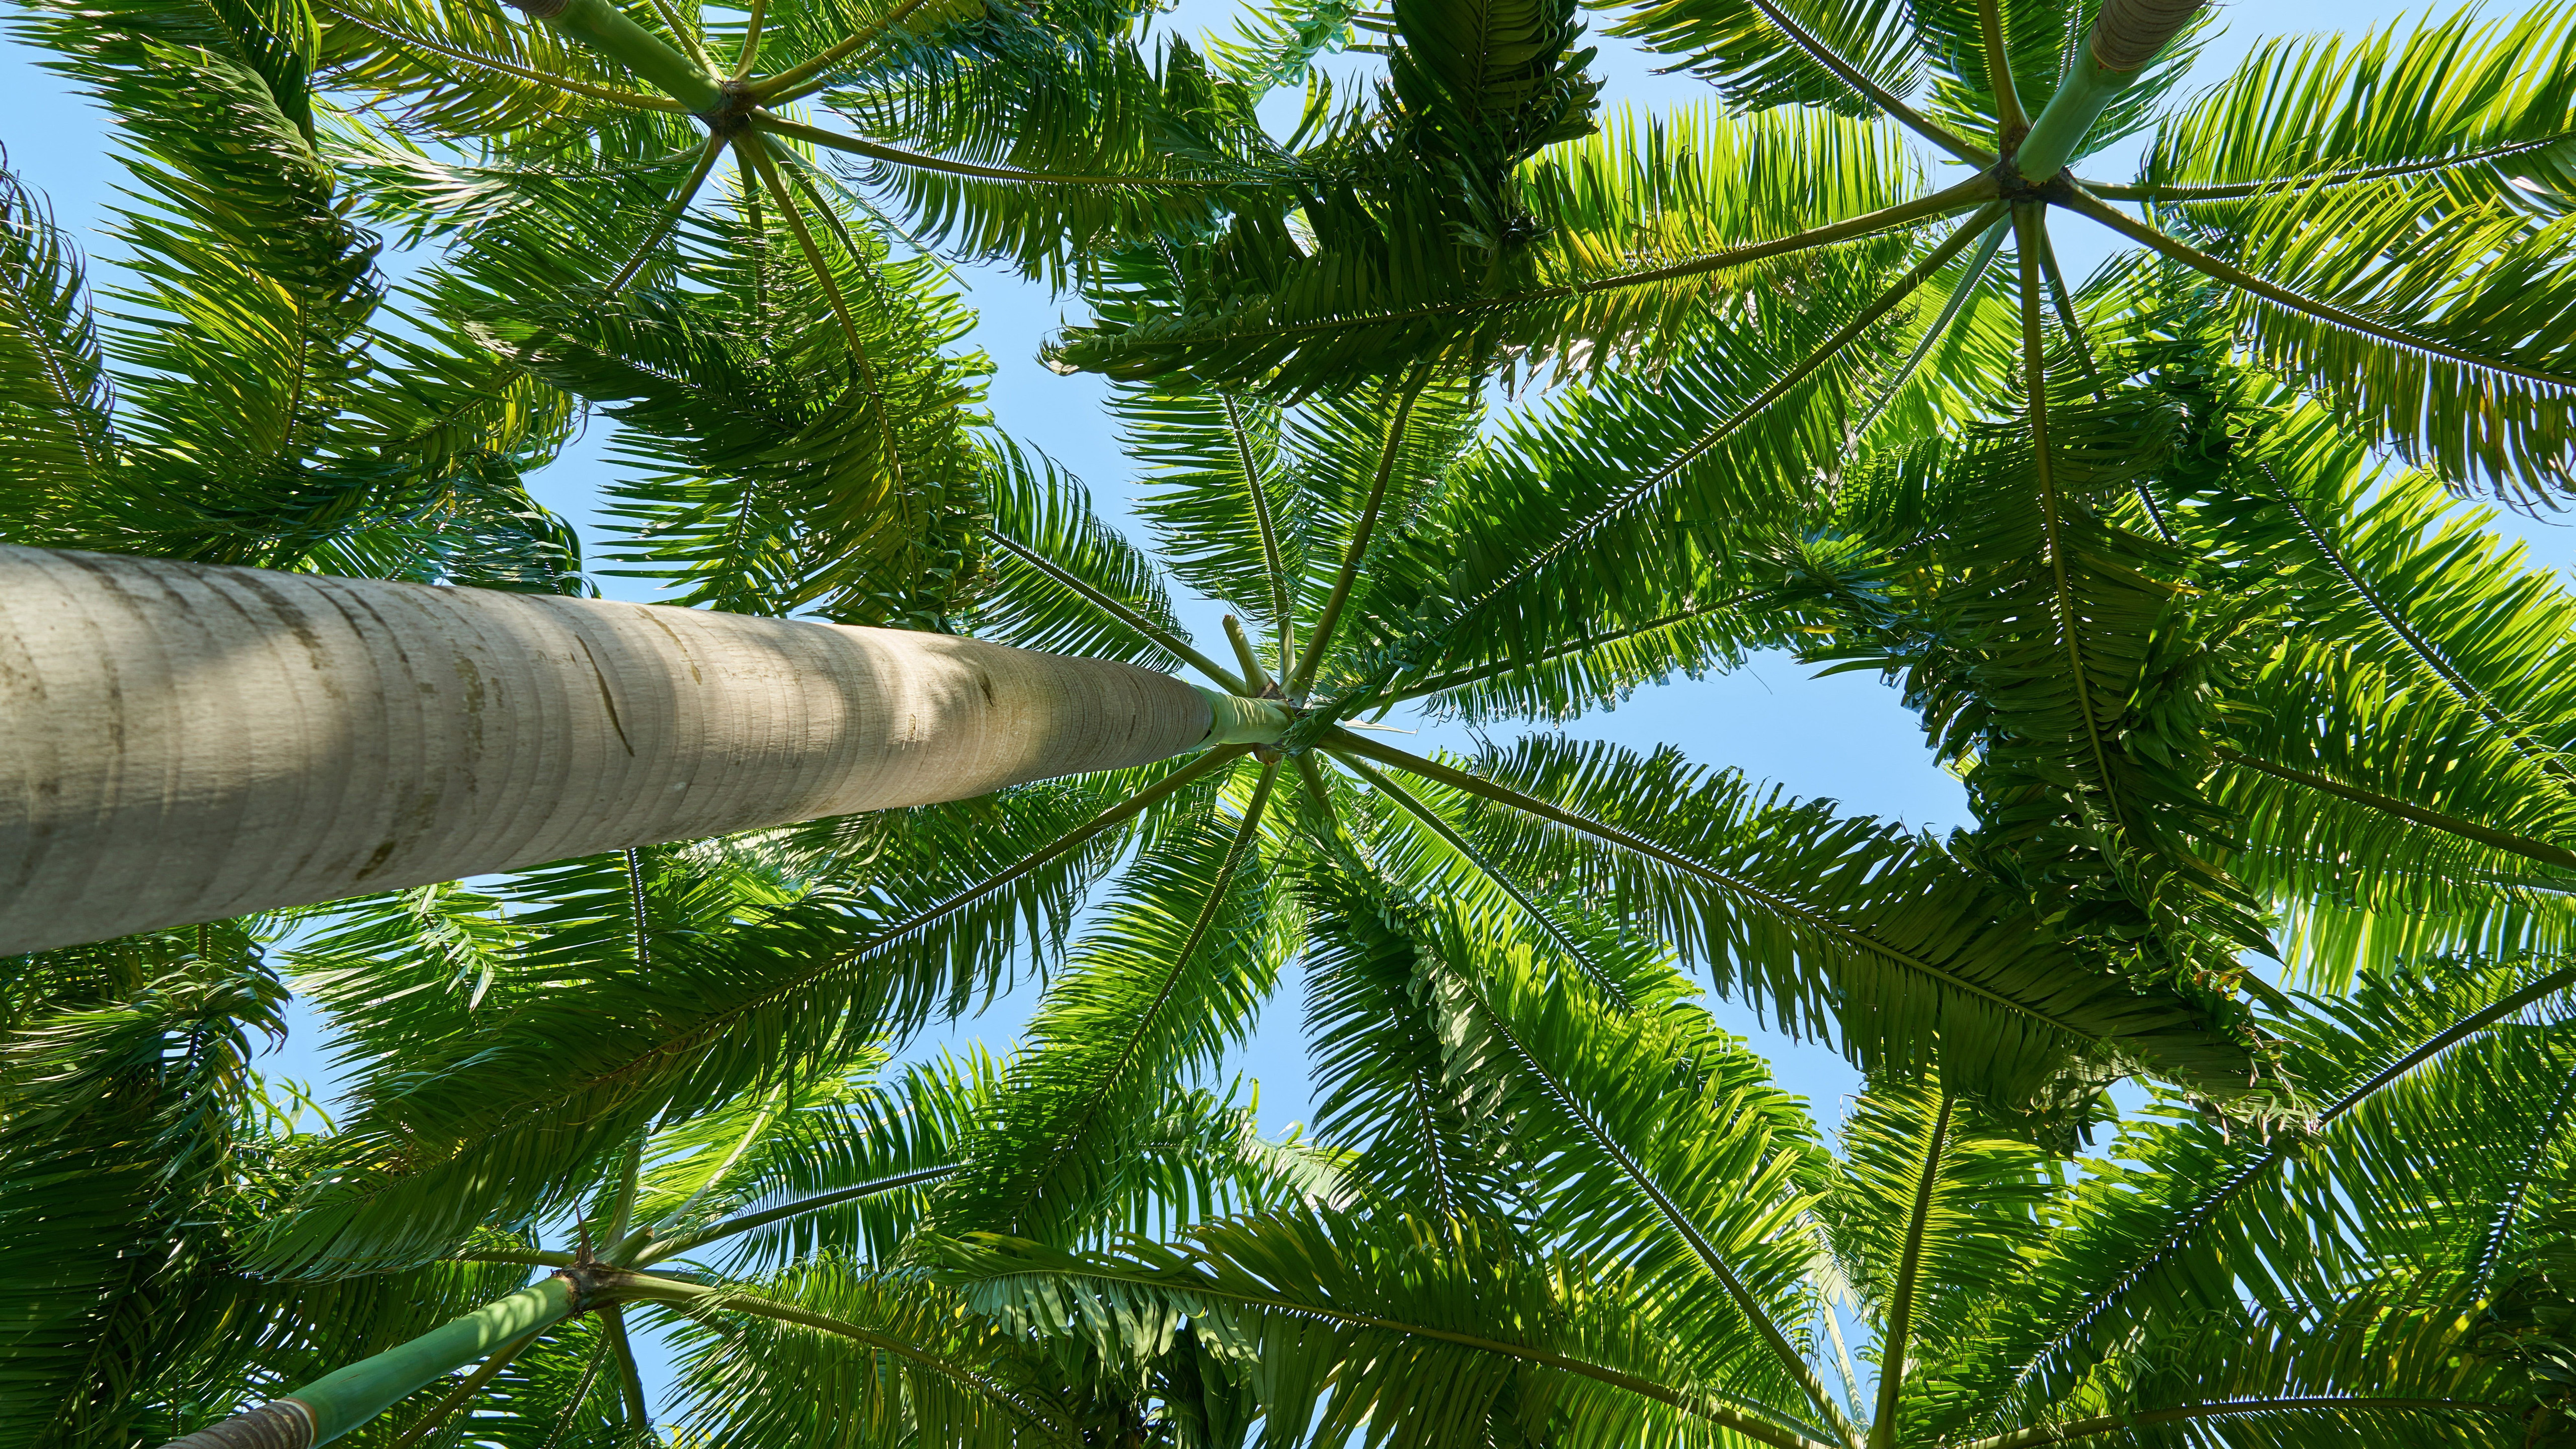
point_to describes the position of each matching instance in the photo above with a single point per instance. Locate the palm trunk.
(182, 743)
(336, 1403)
(2125, 36)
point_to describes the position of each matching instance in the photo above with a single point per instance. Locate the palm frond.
(1844, 929)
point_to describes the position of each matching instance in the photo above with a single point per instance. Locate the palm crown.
(2215, 685)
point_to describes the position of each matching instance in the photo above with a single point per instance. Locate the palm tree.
(1604, 1224)
(1892, 945)
(166, 1155)
(2155, 764)
(2381, 222)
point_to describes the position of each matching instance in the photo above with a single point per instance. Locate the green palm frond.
(2066, 666)
(241, 242)
(2475, 103)
(1044, 154)
(778, 467)
(1616, 244)
(454, 69)
(1683, 1158)
(1928, 1209)
(1683, 474)
(121, 1111)
(901, 1358)
(748, 974)
(1052, 563)
(1154, 991)
(54, 401)
(2417, 668)
(2195, 1221)
(1222, 498)
(1844, 929)
(1388, 1067)
(2411, 254)
(1766, 53)
(1412, 1332)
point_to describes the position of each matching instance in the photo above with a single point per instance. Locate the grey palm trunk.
(187, 743)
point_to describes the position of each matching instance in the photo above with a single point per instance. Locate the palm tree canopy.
(2172, 567)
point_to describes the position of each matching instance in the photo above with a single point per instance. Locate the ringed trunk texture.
(2128, 33)
(182, 743)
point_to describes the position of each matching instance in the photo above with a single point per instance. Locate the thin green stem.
(2073, 323)
(1390, 451)
(2528, 849)
(1255, 678)
(533, 1258)
(793, 83)
(667, 1248)
(1282, 615)
(1208, 762)
(1909, 1267)
(2066, 314)
(1070, 1134)
(641, 1247)
(671, 213)
(686, 35)
(630, 1378)
(630, 1180)
(2028, 244)
(457, 1397)
(1312, 777)
(751, 40)
(1960, 291)
(2012, 125)
(2499, 1228)
(757, 151)
(2078, 201)
(2186, 195)
(1344, 742)
(580, 1393)
(1975, 191)
(770, 124)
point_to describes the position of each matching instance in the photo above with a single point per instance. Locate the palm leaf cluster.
(1464, 398)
